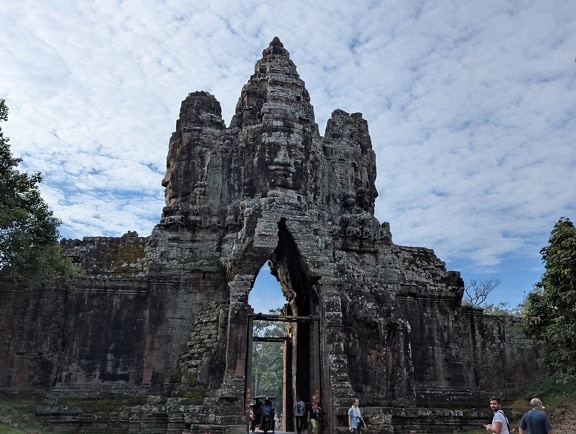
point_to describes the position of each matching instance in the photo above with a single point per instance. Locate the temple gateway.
(167, 315)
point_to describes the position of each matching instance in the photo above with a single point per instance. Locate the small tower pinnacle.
(276, 47)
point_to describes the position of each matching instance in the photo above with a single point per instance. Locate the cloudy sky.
(471, 108)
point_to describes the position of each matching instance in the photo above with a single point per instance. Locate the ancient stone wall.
(111, 330)
(123, 256)
(30, 336)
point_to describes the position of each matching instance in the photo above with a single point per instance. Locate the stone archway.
(301, 352)
(299, 287)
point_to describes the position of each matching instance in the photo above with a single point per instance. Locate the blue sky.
(470, 106)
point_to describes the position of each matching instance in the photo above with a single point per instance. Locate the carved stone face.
(284, 160)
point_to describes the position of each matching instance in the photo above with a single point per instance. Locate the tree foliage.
(267, 360)
(477, 291)
(550, 310)
(503, 308)
(29, 251)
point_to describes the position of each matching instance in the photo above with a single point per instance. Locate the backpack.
(505, 418)
(300, 407)
(315, 414)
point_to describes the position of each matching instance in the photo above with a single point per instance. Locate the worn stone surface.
(168, 314)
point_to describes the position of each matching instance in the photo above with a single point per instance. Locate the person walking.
(355, 417)
(299, 412)
(314, 416)
(499, 423)
(535, 420)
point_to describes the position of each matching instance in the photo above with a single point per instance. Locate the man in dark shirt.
(535, 421)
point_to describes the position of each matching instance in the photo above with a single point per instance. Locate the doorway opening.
(291, 334)
(268, 339)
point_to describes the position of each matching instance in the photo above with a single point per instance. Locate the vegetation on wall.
(119, 258)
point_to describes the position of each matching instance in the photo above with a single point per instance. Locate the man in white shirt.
(499, 423)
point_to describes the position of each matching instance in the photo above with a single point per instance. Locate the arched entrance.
(301, 343)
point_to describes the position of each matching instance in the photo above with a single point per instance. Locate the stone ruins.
(167, 315)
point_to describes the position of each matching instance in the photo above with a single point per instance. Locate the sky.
(471, 108)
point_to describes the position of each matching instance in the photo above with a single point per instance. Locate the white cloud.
(470, 106)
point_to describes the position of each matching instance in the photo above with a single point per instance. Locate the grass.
(7, 430)
(17, 414)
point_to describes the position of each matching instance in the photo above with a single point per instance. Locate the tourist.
(314, 416)
(536, 421)
(499, 423)
(355, 417)
(299, 412)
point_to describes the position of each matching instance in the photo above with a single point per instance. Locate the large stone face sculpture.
(368, 318)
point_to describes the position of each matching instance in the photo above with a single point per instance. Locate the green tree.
(267, 360)
(550, 310)
(503, 308)
(29, 251)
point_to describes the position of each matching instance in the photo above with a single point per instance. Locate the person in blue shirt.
(267, 418)
(300, 413)
(267, 407)
(536, 421)
(355, 417)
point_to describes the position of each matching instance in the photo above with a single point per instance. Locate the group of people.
(534, 421)
(313, 418)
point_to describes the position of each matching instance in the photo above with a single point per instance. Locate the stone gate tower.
(385, 321)
(170, 313)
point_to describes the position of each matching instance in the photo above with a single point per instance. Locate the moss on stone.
(120, 258)
(193, 394)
